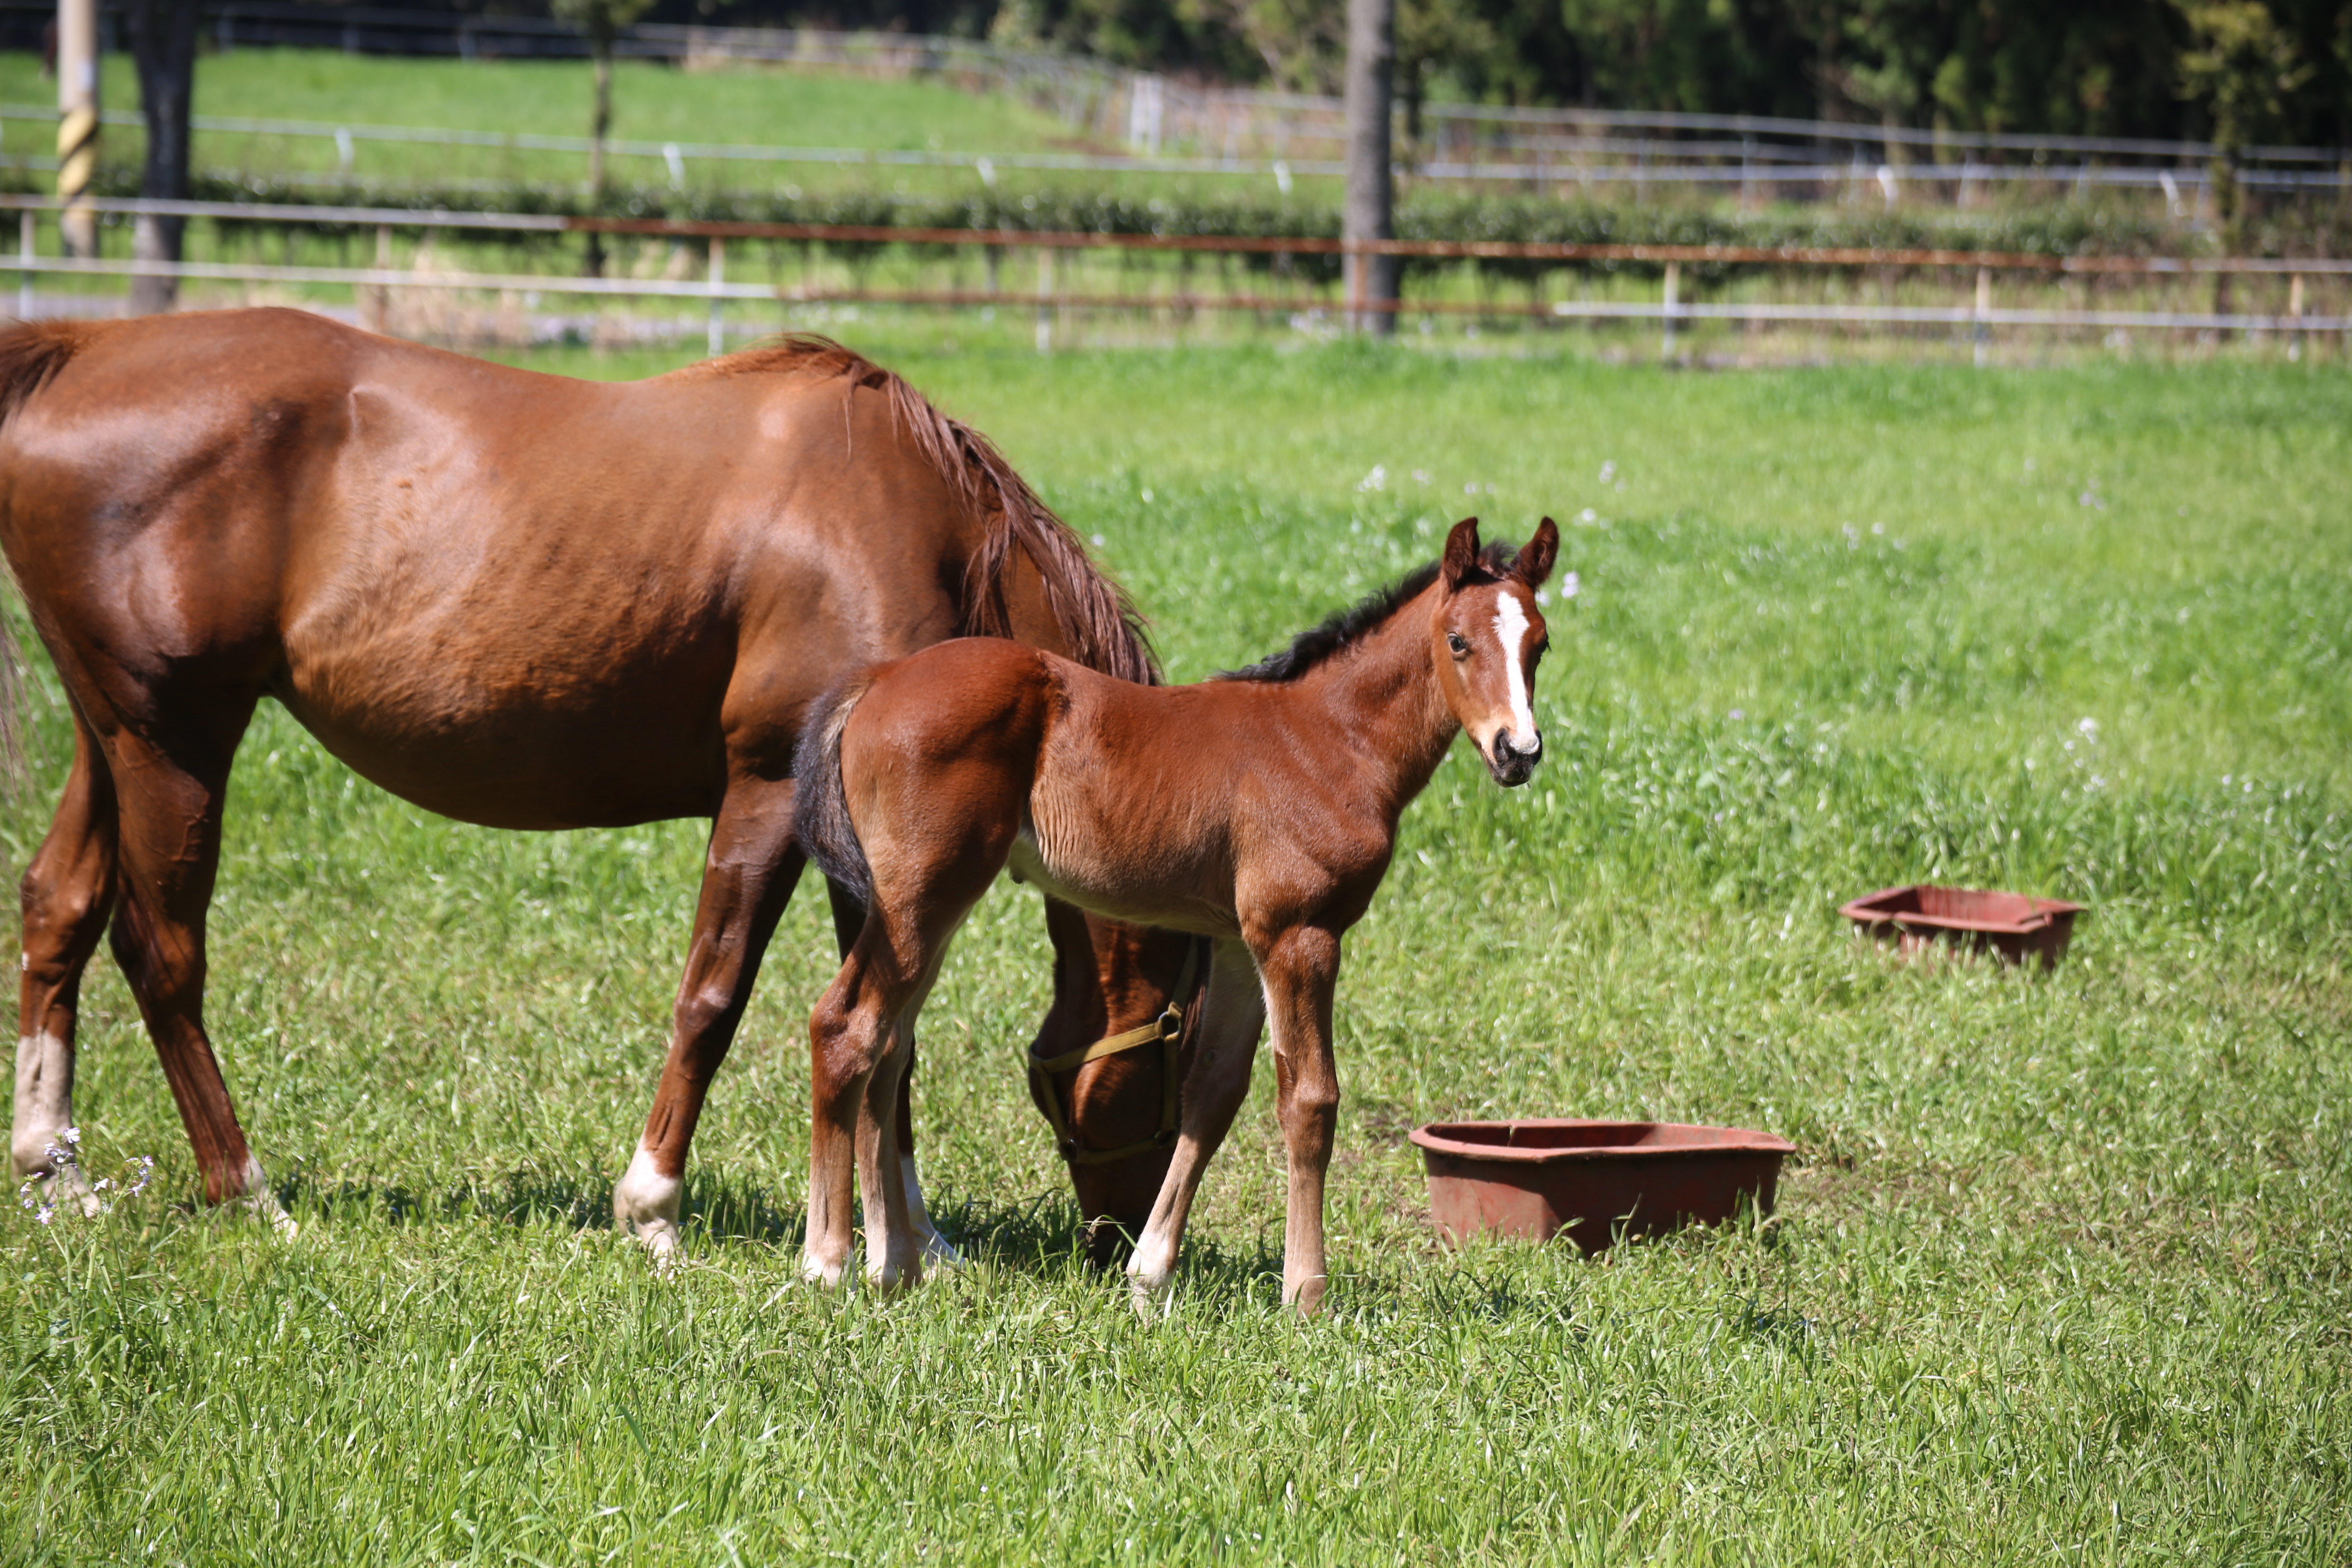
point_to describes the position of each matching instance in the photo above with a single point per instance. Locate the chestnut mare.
(1258, 810)
(513, 599)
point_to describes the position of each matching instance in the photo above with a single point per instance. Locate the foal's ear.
(1460, 554)
(1537, 556)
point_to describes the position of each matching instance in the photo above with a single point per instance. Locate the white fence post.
(717, 339)
(1984, 315)
(2294, 310)
(1044, 300)
(1673, 299)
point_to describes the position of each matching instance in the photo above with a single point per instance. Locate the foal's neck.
(1383, 697)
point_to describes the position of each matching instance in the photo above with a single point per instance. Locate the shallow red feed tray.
(1594, 1180)
(2010, 924)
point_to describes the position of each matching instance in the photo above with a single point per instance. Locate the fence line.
(1756, 169)
(716, 291)
(1293, 244)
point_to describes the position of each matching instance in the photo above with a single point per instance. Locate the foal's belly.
(1126, 891)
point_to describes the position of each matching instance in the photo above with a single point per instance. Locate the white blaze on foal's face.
(1514, 631)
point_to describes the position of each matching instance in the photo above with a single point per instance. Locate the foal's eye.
(1454, 640)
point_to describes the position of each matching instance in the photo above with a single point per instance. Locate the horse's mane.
(1095, 614)
(1318, 644)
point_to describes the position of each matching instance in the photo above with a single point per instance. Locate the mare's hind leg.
(169, 811)
(68, 892)
(748, 877)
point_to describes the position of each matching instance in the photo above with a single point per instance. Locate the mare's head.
(1488, 635)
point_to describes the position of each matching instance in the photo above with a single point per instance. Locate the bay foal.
(1259, 810)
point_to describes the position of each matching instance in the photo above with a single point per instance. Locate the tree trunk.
(600, 126)
(164, 46)
(1371, 211)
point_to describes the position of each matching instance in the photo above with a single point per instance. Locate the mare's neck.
(1383, 698)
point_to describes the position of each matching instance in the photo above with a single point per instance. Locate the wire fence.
(1757, 174)
(375, 286)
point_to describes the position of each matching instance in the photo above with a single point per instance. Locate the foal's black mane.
(1316, 645)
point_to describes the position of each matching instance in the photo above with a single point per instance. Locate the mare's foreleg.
(746, 879)
(1214, 1087)
(69, 892)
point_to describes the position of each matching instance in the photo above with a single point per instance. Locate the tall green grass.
(2059, 1273)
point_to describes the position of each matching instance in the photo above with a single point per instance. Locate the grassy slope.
(2061, 1276)
(651, 103)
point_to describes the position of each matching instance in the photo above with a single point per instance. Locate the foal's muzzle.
(1514, 759)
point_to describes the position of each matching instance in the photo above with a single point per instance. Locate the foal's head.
(1489, 637)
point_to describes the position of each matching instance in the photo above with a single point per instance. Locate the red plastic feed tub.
(1593, 1181)
(1921, 916)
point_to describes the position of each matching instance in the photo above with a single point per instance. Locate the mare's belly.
(639, 746)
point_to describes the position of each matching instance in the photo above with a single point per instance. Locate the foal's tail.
(31, 354)
(821, 808)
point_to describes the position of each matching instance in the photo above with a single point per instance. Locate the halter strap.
(1167, 1029)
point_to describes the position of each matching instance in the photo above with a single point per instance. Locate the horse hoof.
(827, 1277)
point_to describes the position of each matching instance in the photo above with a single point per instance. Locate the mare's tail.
(820, 807)
(31, 354)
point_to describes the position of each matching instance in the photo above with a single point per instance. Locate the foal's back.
(1141, 802)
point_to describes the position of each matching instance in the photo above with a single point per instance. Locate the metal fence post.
(717, 300)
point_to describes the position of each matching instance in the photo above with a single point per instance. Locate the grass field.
(548, 97)
(2061, 1274)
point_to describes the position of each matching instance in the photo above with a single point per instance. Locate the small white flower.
(1739, 713)
(1569, 586)
(1471, 489)
(1588, 515)
(2089, 728)
(1878, 528)
(1421, 476)
(1378, 480)
(1608, 470)
(1098, 542)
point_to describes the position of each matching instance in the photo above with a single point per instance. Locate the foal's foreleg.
(746, 879)
(69, 892)
(1302, 970)
(1214, 1087)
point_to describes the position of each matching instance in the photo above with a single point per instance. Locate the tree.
(2244, 66)
(164, 48)
(599, 22)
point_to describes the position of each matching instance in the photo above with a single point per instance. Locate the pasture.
(2060, 1273)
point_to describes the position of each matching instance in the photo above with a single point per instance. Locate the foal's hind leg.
(937, 1252)
(746, 879)
(170, 816)
(68, 892)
